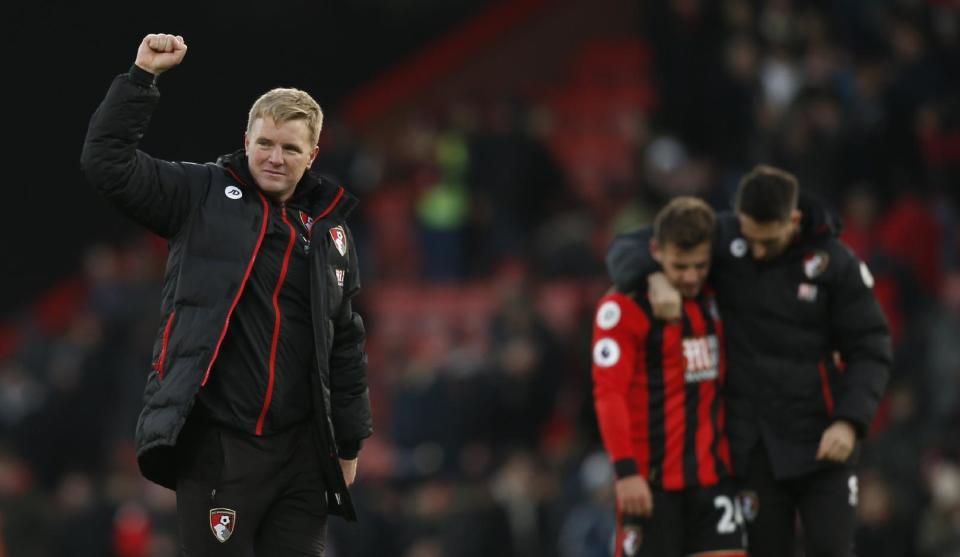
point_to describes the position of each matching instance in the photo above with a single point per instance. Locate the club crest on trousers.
(222, 523)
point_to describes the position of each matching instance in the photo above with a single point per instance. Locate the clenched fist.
(159, 53)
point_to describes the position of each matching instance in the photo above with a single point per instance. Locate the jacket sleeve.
(861, 335)
(157, 194)
(349, 395)
(629, 262)
(617, 342)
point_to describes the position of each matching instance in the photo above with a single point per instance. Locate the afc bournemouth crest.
(632, 539)
(749, 505)
(339, 239)
(815, 263)
(307, 221)
(222, 523)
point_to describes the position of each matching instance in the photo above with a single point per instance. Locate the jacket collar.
(819, 225)
(819, 221)
(316, 194)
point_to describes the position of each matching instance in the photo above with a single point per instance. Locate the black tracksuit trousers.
(826, 502)
(244, 496)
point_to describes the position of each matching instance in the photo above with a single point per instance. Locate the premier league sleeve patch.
(222, 523)
(608, 315)
(606, 352)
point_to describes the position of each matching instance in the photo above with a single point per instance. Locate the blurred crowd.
(482, 231)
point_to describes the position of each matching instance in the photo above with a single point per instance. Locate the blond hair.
(284, 105)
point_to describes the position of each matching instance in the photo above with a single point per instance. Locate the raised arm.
(158, 194)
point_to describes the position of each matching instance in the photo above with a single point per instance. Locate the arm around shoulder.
(629, 261)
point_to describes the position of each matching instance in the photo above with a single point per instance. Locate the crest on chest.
(306, 220)
(815, 263)
(339, 238)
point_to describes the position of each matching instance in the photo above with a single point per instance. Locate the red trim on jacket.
(163, 345)
(330, 207)
(243, 283)
(825, 385)
(272, 366)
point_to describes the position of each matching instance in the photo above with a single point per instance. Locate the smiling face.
(278, 156)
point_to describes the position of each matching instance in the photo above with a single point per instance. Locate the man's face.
(767, 240)
(278, 155)
(685, 269)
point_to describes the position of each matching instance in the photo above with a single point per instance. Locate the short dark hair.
(767, 194)
(685, 222)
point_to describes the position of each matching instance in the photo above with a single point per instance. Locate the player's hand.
(664, 298)
(349, 468)
(159, 53)
(633, 496)
(837, 442)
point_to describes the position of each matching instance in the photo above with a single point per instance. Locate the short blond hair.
(284, 105)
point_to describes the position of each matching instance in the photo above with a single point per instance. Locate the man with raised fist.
(256, 403)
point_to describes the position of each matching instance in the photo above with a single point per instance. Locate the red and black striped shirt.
(657, 391)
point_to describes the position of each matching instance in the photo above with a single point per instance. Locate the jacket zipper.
(272, 364)
(163, 345)
(243, 283)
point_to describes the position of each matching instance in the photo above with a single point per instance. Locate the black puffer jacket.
(214, 218)
(784, 319)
